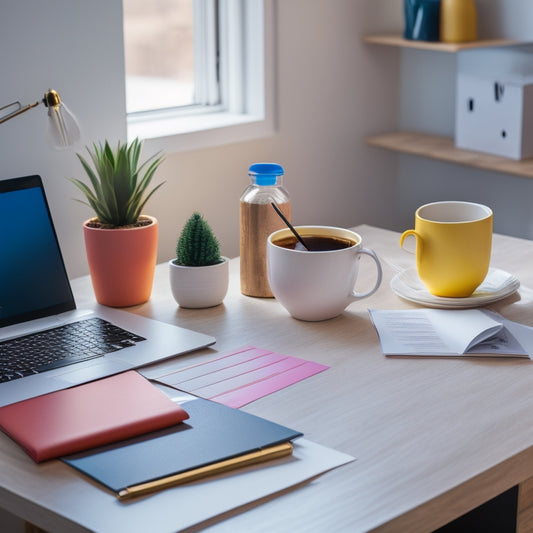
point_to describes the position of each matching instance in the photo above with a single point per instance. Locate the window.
(171, 51)
(196, 66)
(158, 53)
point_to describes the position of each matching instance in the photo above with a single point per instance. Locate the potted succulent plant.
(120, 241)
(199, 275)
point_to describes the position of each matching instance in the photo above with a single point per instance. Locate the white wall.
(330, 94)
(427, 103)
(71, 47)
(331, 91)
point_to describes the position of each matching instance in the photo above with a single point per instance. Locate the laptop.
(36, 300)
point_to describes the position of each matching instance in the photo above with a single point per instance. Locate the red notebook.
(93, 414)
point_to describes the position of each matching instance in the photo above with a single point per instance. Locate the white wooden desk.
(433, 438)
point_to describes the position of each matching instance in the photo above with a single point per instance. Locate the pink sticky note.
(248, 378)
(227, 361)
(242, 396)
(242, 370)
(242, 376)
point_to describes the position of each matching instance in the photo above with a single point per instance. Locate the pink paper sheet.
(241, 377)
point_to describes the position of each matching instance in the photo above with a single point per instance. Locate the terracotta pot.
(196, 287)
(122, 263)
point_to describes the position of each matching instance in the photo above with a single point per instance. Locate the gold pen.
(260, 456)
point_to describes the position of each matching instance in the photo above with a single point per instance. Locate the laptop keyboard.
(61, 346)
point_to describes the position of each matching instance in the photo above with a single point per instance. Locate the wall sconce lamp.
(63, 127)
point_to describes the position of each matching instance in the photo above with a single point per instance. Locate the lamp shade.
(63, 128)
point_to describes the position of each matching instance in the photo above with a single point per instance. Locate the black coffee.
(315, 243)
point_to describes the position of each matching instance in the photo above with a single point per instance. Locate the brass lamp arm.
(18, 111)
(63, 128)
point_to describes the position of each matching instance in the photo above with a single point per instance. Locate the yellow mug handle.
(416, 235)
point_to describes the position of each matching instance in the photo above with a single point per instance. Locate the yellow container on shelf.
(458, 21)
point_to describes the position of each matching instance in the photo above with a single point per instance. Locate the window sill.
(178, 134)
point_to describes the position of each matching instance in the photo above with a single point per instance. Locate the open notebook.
(446, 332)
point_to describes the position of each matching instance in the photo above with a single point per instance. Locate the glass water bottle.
(258, 220)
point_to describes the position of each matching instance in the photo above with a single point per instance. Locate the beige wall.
(330, 94)
(331, 91)
(427, 103)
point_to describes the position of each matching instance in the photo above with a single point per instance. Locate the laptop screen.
(33, 278)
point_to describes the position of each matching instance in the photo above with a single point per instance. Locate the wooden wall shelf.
(397, 40)
(442, 148)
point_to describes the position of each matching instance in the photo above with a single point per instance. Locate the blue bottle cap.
(266, 173)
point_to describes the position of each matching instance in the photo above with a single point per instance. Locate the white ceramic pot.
(199, 286)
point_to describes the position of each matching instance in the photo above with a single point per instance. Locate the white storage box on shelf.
(494, 103)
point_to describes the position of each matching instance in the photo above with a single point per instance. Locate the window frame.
(242, 115)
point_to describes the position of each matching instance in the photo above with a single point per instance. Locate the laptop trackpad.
(96, 370)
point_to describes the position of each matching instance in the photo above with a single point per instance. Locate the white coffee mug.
(316, 285)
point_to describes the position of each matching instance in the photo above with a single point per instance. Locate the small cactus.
(197, 244)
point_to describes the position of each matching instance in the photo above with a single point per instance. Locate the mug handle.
(359, 295)
(416, 235)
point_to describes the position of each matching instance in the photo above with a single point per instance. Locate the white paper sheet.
(184, 506)
(181, 507)
(440, 332)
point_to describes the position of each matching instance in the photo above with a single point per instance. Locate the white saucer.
(497, 285)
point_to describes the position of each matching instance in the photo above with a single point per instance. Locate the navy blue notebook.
(213, 433)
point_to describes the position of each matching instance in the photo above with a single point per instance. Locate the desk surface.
(433, 438)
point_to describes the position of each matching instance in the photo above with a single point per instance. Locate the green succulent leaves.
(119, 184)
(197, 244)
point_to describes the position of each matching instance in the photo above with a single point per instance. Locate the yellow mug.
(453, 246)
